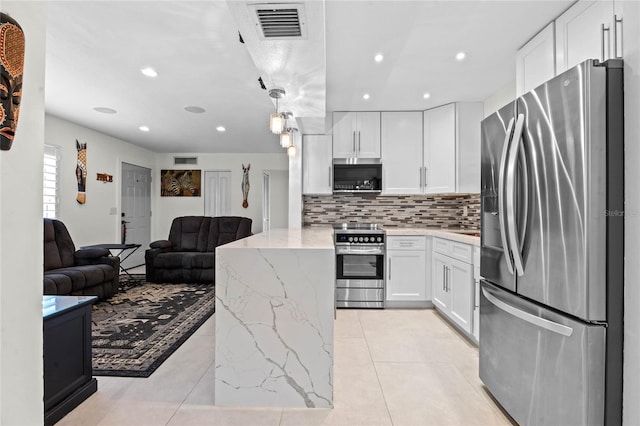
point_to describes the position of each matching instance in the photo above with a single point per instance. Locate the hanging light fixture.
(291, 151)
(286, 137)
(276, 121)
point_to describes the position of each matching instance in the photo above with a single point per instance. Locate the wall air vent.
(183, 161)
(279, 21)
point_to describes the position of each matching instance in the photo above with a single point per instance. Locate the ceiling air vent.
(279, 21)
(184, 161)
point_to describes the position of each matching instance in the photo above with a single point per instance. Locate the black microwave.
(360, 177)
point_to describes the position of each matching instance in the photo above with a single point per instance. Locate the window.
(50, 184)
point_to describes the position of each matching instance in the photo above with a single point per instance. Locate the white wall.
(93, 222)
(21, 370)
(165, 209)
(631, 45)
(499, 99)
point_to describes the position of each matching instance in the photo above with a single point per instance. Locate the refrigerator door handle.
(511, 201)
(501, 200)
(526, 316)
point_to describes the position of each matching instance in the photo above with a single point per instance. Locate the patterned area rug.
(135, 331)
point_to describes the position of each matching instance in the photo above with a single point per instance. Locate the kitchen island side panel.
(274, 327)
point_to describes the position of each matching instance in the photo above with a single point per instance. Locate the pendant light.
(291, 151)
(286, 136)
(276, 121)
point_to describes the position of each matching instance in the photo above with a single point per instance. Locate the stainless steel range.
(360, 251)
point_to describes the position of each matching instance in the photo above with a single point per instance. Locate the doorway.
(217, 193)
(136, 211)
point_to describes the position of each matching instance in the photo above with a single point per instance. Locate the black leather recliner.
(85, 272)
(188, 256)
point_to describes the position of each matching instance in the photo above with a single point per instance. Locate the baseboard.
(69, 403)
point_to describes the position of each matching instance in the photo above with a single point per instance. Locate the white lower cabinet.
(406, 277)
(452, 282)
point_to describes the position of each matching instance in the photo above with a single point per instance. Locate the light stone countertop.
(287, 238)
(435, 232)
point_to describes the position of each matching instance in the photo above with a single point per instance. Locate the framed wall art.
(180, 183)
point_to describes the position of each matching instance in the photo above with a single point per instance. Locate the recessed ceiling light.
(149, 72)
(460, 56)
(194, 109)
(105, 110)
(366, 96)
(144, 128)
(427, 95)
(220, 128)
(378, 58)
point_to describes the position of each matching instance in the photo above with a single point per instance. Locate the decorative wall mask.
(11, 70)
(180, 183)
(245, 185)
(81, 172)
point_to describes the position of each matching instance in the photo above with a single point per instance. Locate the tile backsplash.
(460, 211)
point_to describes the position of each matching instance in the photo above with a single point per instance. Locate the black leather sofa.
(67, 271)
(188, 256)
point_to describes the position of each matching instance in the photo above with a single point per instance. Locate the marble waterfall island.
(274, 320)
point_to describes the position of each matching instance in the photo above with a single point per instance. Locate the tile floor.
(392, 367)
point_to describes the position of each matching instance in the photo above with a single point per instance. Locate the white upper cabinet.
(356, 134)
(316, 164)
(588, 30)
(536, 61)
(451, 154)
(402, 152)
(440, 149)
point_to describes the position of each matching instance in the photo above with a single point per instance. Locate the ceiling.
(95, 50)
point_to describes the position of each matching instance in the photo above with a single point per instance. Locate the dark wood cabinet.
(67, 354)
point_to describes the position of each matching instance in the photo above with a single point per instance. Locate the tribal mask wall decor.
(81, 172)
(11, 70)
(245, 185)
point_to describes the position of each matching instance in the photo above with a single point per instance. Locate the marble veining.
(274, 320)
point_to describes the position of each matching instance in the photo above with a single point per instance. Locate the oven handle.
(358, 250)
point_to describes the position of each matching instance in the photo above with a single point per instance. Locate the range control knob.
(350, 239)
(366, 239)
(379, 239)
(360, 239)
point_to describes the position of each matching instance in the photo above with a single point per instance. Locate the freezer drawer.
(543, 368)
(360, 294)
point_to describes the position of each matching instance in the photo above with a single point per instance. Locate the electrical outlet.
(113, 210)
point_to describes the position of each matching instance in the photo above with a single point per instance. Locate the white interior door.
(217, 193)
(136, 211)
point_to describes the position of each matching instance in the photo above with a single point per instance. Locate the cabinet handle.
(358, 141)
(425, 177)
(330, 180)
(354, 141)
(444, 278)
(389, 269)
(448, 278)
(420, 172)
(617, 21)
(604, 43)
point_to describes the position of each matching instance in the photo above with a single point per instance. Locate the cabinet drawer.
(405, 243)
(460, 251)
(442, 246)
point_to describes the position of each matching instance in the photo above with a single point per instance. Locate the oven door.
(360, 262)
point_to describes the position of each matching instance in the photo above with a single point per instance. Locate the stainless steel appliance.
(360, 251)
(552, 250)
(357, 175)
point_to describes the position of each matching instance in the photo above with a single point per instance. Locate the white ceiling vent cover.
(182, 161)
(279, 21)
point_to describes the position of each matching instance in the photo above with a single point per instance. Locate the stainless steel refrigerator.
(551, 303)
